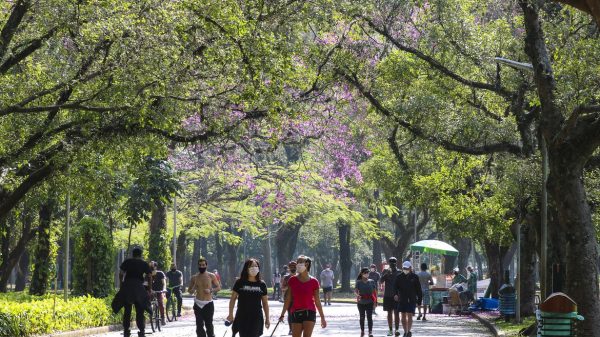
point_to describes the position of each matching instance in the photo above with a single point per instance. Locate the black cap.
(392, 260)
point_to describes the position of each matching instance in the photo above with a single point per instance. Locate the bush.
(24, 315)
(93, 259)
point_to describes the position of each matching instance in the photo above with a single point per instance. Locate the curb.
(96, 330)
(488, 325)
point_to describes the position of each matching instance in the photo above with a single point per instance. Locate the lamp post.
(175, 229)
(544, 201)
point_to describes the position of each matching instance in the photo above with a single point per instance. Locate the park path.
(342, 320)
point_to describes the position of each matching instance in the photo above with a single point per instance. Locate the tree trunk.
(576, 227)
(232, 265)
(193, 265)
(345, 257)
(286, 240)
(463, 245)
(265, 264)
(181, 250)
(219, 252)
(22, 272)
(494, 253)
(158, 247)
(529, 242)
(40, 279)
(479, 262)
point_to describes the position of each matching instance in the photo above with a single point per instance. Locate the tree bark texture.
(286, 240)
(22, 272)
(494, 253)
(345, 254)
(463, 245)
(158, 247)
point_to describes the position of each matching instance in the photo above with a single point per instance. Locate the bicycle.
(155, 315)
(172, 304)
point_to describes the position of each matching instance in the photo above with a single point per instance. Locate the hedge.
(24, 315)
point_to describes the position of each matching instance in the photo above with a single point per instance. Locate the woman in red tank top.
(304, 299)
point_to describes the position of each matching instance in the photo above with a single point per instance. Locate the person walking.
(202, 285)
(375, 276)
(327, 284)
(408, 295)
(175, 278)
(132, 292)
(426, 280)
(276, 285)
(291, 271)
(388, 279)
(366, 297)
(304, 300)
(251, 294)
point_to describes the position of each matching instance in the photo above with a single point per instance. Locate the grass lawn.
(511, 329)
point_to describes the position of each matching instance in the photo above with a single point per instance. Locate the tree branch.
(19, 56)
(396, 150)
(435, 64)
(418, 132)
(12, 24)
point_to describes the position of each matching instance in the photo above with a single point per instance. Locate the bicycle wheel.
(174, 307)
(157, 318)
(154, 309)
(170, 312)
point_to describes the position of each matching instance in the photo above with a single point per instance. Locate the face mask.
(293, 271)
(406, 271)
(301, 267)
(253, 271)
(373, 269)
(154, 272)
(201, 269)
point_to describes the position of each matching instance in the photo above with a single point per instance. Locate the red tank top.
(302, 293)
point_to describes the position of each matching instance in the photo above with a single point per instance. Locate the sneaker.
(419, 317)
(409, 334)
(290, 332)
(424, 319)
(397, 333)
(362, 334)
(390, 333)
(370, 334)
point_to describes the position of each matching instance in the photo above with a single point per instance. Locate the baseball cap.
(406, 265)
(392, 260)
(373, 265)
(292, 263)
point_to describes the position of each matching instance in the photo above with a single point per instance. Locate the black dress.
(249, 319)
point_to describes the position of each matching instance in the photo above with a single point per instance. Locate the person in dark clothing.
(175, 278)
(251, 294)
(389, 304)
(133, 292)
(408, 295)
(159, 287)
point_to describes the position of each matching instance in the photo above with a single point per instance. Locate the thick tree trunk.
(22, 272)
(345, 260)
(193, 265)
(219, 251)
(41, 270)
(479, 262)
(376, 258)
(158, 247)
(494, 253)
(575, 225)
(528, 264)
(181, 250)
(286, 240)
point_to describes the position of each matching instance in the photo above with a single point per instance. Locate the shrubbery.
(93, 262)
(23, 315)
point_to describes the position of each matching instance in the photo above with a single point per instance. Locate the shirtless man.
(203, 284)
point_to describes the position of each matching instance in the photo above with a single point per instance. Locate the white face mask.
(300, 267)
(253, 271)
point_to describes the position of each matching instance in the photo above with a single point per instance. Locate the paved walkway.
(342, 320)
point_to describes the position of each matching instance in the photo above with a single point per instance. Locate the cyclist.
(159, 286)
(175, 278)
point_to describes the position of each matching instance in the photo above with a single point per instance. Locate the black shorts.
(407, 307)
(300, 316)
(327, 289)
(389, 304)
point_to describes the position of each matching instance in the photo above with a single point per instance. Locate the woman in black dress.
(251, 293)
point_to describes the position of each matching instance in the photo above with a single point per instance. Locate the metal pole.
(66, 245)
(518, 308)
(544, 215)
(175, 229)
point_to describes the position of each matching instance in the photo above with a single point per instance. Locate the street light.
(544, 203)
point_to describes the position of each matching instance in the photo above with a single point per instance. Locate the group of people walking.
(403, 291)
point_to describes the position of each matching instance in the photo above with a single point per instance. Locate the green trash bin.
(556, 324)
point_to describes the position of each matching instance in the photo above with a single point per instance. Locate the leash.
(275, 328)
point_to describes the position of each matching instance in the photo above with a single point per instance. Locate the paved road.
(342, 320)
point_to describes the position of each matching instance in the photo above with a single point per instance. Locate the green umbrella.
(435, 247)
